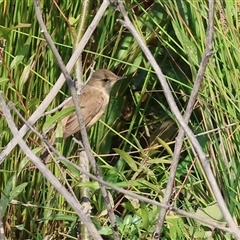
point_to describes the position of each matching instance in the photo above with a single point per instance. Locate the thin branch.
(180, 138)
(91, 71)
(47, 173)
(170, 99)
(58, 107)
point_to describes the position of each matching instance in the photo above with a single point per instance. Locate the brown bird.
(93, 99)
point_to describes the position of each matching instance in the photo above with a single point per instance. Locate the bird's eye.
(106, 80)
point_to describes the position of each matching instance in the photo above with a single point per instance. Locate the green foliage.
(134, 141)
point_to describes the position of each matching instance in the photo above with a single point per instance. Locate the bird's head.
(103, 79)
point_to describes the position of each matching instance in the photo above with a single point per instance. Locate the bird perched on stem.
(93, 100)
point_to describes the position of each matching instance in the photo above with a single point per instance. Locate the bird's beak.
(121, 77)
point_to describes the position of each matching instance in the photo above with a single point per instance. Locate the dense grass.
(134, 140)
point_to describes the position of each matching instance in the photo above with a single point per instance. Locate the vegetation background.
(134, 141)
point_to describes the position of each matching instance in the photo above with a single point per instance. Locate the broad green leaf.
(211, 212)
(105, 230)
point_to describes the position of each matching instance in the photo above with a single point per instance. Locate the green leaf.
(26, 160)
(4, 32)
(23, 25)
(127, 158)
(17, 190)
(16, 61)
(33, 103)
(6, 195)
(211, 212)
(72, 169)
(26, 72)
(105, 231)
(189, 45)
(4, 80)
(128, 206)
(59, 217)
(126, 44)
(73, 20)
(57, 117)
(145, 216)
(24, 50)
(20, 227)
(165, 146)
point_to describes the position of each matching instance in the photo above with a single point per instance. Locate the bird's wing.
(92, 109)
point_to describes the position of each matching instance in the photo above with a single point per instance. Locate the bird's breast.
(99, 105)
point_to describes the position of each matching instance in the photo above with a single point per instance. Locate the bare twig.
(47, 173)
(91, 72)
(58, 107)
(169, 97)
(180, 138)
(83, 131)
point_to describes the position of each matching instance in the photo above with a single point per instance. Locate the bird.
(93, 99)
